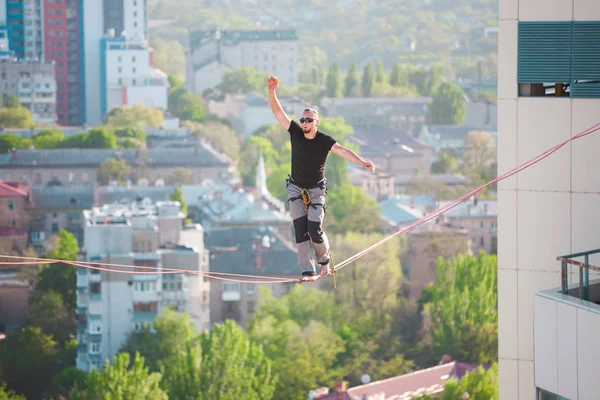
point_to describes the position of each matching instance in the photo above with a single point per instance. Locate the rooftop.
(404, 387)
(13, 189)
(233, 37)
(250, 250)
(473, 208)
(63, 197)
(200, 155)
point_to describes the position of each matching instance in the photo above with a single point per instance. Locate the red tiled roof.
(404, 387)
(13, 189)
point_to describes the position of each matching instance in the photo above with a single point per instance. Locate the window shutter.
(585, 59)
(544, 52)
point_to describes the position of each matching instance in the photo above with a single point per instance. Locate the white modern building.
(34, 84)
(547, 63)
(112, 304)
(125, 22)
(211, 53)
(128, 77)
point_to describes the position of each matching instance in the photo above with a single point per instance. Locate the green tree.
(333, 82)
(185, 105)
(351, 81)
(48, 139)
(113, 170)
(479, 149)
(131, 133)
(368, 81)
(28, 360)
(221, 137)
(448, 105)
(12, 101)
(121, 382)
(337, 167)
(462, 308)
(138, 116)
(243, 80)
(48, 311)
(9, 141)
(349, 209)
(400, 75)
(61, 278)
(479, 384)
(283, 326)
(67, 383)
(101, 139)
(177, 195)
(181, 176)
(225, 364)
(169, 56)
(249, 158)
(445, 164)
(427, 81)
(16, 117)
(173, 333)
(6, 394)
(379, 72)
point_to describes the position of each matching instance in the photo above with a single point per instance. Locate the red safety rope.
(270, 279)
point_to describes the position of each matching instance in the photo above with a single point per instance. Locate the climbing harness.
(305, 194)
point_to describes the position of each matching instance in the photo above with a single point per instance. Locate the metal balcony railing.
(584, 272)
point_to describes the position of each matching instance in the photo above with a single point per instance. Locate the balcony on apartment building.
(566, 324)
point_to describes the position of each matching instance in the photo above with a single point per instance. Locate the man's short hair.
(313, 111)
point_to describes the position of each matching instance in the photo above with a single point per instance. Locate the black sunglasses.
(303, 120)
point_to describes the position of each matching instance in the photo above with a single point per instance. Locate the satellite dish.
(366, 378)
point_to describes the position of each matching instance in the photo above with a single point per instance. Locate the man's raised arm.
(281, 116)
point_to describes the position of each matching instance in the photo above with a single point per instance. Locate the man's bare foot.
(325, 270)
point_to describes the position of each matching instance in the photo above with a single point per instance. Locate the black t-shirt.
(309, 156)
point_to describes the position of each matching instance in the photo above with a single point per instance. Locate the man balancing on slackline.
(306, 186)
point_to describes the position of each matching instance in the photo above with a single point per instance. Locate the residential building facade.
(112, 304)
(546, 96)
(259, 250)
(15, 201)
(128, 76)
(33, 18)
(426, 243)
(125, 23)
(33, 83)
(212, 52)
(480, 219)
(368, 114)
(15, 26)
(250, 112)
(80, 166)
(63, 45)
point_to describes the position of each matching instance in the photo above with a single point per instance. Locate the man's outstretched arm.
(281, 116)
(352, 156)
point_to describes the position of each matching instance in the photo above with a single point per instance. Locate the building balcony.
(82, 280)
(566, 322)
(83, 300)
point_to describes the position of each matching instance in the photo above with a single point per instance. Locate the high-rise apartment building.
(119, 29)
(63, 31)
(111, 304)
(15, 26)
(34, 85)
(548, 92)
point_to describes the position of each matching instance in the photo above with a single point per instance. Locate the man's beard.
(306, 131)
